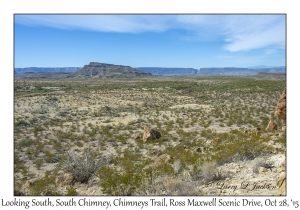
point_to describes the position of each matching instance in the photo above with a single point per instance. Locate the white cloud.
(105, 23)
(240, 32)
(257, 32)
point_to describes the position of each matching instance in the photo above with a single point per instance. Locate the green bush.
(39, 163)
(71, 191)
(119, 183)
(44, 186)
(49, 156)
(26, 142)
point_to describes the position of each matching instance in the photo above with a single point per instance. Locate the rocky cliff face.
(103, 70)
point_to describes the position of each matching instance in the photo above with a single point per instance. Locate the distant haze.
(154, 70)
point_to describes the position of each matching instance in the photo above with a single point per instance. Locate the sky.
(185, 41)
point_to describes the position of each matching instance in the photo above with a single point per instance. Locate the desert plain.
(149, 136)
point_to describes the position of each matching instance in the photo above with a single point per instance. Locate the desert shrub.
(207, 133)
(82, 167)
(170, 187)
(164, 169)
(21, 123)
(239, 147)
(71, 191)
(282, 139)
(44, 186)
(207, 172)
(39, 163)
(79, 144)
(36, 129)
(18, 164)
(119, 183)
(26, 142)
(258, 162)
(49, 156)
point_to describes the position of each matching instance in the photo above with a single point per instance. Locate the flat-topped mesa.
(104, 70)
(104, 64)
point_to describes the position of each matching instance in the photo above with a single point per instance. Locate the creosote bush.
(119, 183)
(83, 167)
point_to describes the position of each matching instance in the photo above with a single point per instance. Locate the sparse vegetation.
(206, 123)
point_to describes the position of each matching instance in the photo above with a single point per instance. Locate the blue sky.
(191, 41)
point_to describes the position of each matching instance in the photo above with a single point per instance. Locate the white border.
(9, 8)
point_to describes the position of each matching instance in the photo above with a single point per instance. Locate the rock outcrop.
(150, 134)
(280, 111)
(103, 70)
(281, 183)
(272, 126)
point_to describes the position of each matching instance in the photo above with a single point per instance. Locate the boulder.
(200, 150)
(281, 183)
(272, 126)
(150, 134)
(280, 111)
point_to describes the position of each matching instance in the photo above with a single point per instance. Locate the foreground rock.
(280, 111)
(150, 134)
(272, 126)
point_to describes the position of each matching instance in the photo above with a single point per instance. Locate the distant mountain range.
(169, 71)
(103, 70)
(212, 71)
(240, 71)
(36, 70)
(92, 70)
